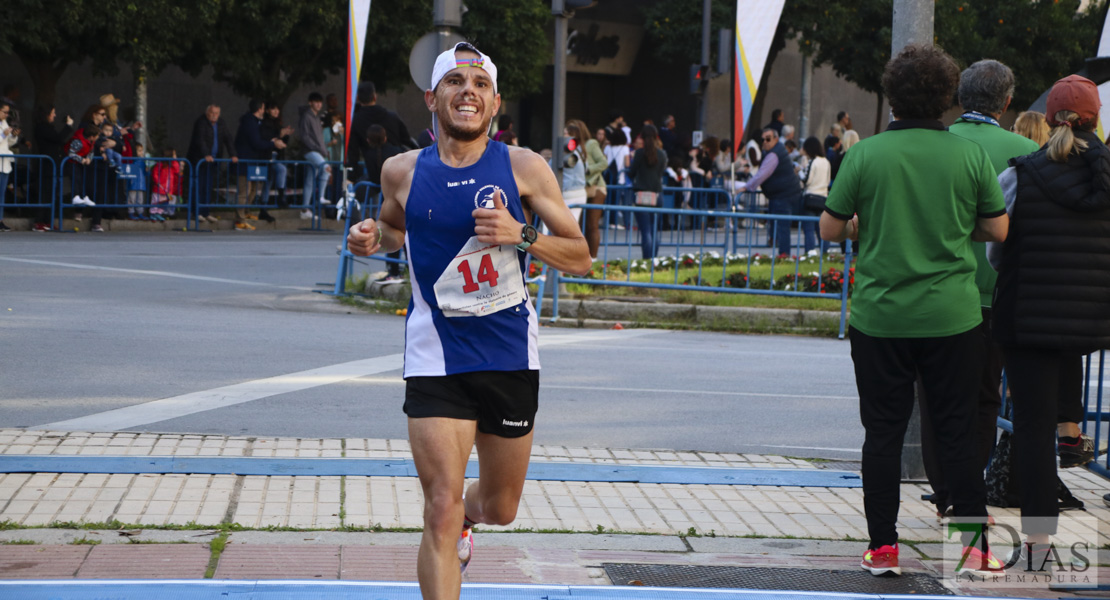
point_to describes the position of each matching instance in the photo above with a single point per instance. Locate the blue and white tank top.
(470, 309)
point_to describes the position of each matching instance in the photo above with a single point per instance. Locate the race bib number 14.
(481, 280)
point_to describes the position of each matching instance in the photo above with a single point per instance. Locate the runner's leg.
(502, 465)
(440, 448)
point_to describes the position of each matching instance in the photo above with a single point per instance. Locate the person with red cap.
(1053, 293)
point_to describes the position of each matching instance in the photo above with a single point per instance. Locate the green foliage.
(512, 32)
(268, 48)
(393, 30)
(852, 36)
(675, 28)
(1040, 40)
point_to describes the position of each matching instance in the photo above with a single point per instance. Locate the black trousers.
(1046, 386)
(986, 416)
(886, 369)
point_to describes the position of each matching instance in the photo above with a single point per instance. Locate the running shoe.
(306, 214)
(1077, 454)
(4, 227)
(882, 561)
(244, 226)
(41, 227)
(1037, 558)
(974, 562)
(97, 229)
(465, 548)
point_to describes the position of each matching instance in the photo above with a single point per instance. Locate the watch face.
(528, 234)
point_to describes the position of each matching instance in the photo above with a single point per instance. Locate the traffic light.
(569, 144)
(698, 75)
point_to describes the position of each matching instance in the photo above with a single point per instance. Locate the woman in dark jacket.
(1052, 300)
(646, 173)
(49, 141)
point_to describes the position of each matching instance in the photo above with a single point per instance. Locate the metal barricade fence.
(363, 200)
(678, 229)
(1096, 421)
(91, 182)
(32, 179)
(260, 184)
(368, 197)
(156, 185)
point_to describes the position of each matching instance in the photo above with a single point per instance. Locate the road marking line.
(687, 392)
(155, 273)
(855, 450)
(239, 393)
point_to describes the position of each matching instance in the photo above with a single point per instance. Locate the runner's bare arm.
(564, 248)
(388, 233)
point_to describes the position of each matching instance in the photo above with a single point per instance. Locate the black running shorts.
(503, 402)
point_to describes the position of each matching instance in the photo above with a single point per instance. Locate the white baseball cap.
(446, 62)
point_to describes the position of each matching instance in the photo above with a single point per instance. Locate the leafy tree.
(513, 32)
(1041, 41)
(269, 48)
(46, 37)
(675, 28)
(393, 30)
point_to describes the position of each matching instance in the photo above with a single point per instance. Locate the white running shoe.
(325, 201)
(88, 201)
(465, 548)
(306, 214)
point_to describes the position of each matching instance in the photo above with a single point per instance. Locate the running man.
(460, 208)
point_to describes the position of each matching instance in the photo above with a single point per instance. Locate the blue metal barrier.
(236, 184)
(32, 178)
(369, 200)
(143, 179)
(1095, 418)
(365, 199)
(724, 235)
(92, 179)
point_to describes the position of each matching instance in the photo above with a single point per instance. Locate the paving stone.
(41, 562)
(278, 562)
(146, 561)
(379, 563)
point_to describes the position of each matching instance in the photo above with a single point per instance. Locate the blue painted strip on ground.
(332, 467)
(362, 590)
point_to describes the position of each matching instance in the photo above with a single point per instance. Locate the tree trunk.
(44, 76)
(879, 113)
(141, 108)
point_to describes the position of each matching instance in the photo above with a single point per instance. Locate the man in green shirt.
(915, 196)
(986, 89)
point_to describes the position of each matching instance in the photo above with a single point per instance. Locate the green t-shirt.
(918, 191)
(1001, 146)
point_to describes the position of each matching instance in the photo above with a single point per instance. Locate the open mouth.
(467, 110)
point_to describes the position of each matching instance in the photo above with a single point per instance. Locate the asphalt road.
(222, 333)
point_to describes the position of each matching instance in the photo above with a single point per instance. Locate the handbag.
(646, 198)
(813, 202)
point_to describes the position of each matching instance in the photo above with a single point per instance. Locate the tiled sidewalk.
(396, 503)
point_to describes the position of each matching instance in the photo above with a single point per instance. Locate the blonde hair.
(1063, 142)
(850, 139)
(1031, 124)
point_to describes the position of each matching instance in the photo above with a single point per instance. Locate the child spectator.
(166, 185)
(104, 146)
(136, 187)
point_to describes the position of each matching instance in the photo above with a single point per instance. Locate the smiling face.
(464, 101)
